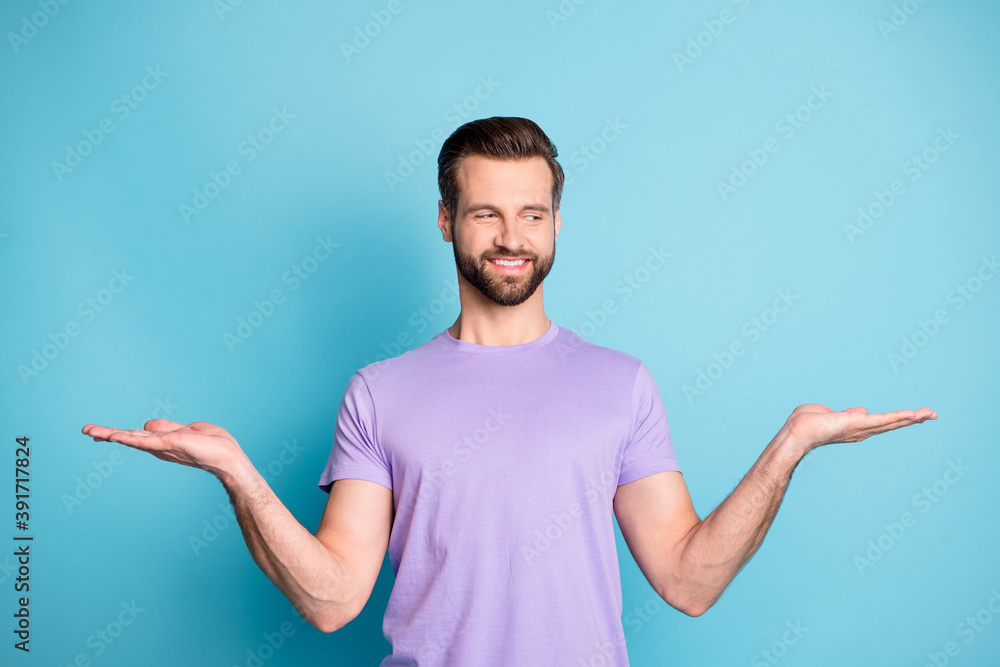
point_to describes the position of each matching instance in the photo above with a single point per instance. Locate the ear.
(444, 224)
(558, 223)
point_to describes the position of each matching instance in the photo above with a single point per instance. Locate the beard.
(501, 289)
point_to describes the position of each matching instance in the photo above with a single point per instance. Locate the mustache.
(495, 255)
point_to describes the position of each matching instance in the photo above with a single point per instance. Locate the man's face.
(504, 213)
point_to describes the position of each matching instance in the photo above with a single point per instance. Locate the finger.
(162, 425)
(94, 430)
(861, 411)
(136, 438)
(890, 421)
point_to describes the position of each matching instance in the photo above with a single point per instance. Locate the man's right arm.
(327, 577)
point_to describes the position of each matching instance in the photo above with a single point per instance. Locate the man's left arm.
(690, 561)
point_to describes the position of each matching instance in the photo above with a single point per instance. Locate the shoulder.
(402, 365)
(572, 347)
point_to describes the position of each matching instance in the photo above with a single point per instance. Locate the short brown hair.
(499, 137)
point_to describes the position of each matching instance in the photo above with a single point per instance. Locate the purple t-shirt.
(503, 462)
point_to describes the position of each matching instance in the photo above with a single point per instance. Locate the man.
(490, 460)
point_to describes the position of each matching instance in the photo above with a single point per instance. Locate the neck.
(501, 325)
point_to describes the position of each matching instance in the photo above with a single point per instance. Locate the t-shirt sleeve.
(355, 453)
(649, 448)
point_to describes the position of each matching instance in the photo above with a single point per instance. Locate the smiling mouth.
(500, 261)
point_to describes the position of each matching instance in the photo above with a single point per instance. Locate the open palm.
(818, 425)
(198, 444)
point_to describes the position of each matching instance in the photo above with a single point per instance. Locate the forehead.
(483, 176)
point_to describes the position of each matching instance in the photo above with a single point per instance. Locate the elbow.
(329, 615)
(689, 603)
(331, 620)
(694, 609)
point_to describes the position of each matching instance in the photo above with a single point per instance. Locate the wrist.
(237, 473)
(791, 446)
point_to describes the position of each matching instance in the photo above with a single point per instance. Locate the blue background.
(683, 127)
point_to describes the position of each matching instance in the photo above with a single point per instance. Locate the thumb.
(162, 425)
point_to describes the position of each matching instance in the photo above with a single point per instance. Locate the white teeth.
(507, 262)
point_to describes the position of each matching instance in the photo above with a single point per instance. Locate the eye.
(483, 215)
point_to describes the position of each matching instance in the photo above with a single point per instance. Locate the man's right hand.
(198, 444)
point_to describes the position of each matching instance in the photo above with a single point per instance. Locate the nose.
(509, 235)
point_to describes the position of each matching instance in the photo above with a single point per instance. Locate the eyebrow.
(526, 207)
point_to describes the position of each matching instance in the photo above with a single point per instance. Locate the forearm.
(310, 575)
(718, 547)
